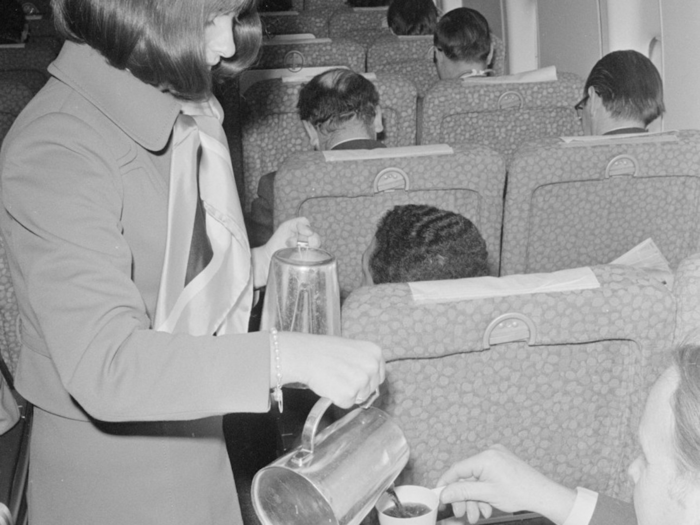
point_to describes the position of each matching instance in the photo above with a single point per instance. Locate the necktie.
(204, 292)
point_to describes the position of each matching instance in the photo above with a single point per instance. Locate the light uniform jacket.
(84, 177)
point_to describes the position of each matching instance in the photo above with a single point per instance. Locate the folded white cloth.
(430, 292)
(545, 74)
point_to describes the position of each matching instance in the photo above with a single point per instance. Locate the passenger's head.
(165, 42)
(423, 243)
(624, 89)
(339, 105)
(667, 472)
(412, 17)
(462, 43)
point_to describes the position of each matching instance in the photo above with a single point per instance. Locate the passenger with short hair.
(129, 358)
(623, 94)
(423, 243)
(412, 17)
(463, 45)
(666, 474)
(339, 109)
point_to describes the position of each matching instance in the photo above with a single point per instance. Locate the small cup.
(410, 494)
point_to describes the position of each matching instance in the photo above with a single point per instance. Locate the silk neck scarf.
(218, 299)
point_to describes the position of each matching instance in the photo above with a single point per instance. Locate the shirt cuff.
(584, 507)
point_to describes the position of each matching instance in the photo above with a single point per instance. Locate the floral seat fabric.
(340, 200)
(295, 56)
(502, 116)
(576, 205)
(567, 399)
(289, 23)
(271, 129)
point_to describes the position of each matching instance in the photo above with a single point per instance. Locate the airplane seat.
(319, 4)
(319, 52)
(412, 56)
(686, 289)
(14, 95)
(31, 78)
(271, 129)
(559, 377)
(37, 54)
(498, 114)
(9, 314)
(363, 25)
(294, 22)
(345, 193)
(586, 200)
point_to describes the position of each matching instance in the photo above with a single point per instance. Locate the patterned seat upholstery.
(363, 25)
(412, 56)
(312, 53)
(587, 203)
(272, 131)
(321, 4)
(9, 311)
(686, 289)
(344, 204)
(293, 22)
(560, 378)
(502, 116)
(38, 53)
(31, 78)
(14, 95)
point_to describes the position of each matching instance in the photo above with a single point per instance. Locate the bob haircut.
(412, 17)
(463, 34)
(336, 96)
(417, 242)
(629, 85)
(161, 42)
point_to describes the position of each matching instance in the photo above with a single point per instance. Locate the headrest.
(627, 138)
(546, 74)
(430, 292)
(279, 13)
(387, 153)
(297, 38)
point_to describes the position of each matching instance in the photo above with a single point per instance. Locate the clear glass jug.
(302, 293)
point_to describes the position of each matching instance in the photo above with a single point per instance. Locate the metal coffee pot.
(302, 293)
(334, 477)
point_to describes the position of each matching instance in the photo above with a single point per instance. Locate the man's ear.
(312, 132)
(378, 123)
(492, 51)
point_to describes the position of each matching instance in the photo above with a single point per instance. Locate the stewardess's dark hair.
(463, 34)
(161, 42)
(412, 17)
(629, 85)
(423, 243)
(335, 96)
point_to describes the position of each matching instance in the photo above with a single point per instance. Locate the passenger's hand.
(498, 478)
(286, 236)
(345, 370)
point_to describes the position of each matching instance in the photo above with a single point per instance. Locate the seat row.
(566, 203)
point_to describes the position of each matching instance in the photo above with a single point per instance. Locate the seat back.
(587, 202)
(37, 54)
(345, 193)
(361, 24)
(324, 4)
(502, 116)
(31, 78)
(558, 377)
(292, 22)
(14, 95)
(272, 131)
(319, 52)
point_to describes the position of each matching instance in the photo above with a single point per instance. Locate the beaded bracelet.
(277, 392)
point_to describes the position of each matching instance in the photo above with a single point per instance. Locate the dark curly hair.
(335, 96)
(423, 243)
(463, 34)
(412, 17)
(161, 42)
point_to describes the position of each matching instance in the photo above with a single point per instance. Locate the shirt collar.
(142, 111)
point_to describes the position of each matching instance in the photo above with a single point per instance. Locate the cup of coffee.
(419, 506)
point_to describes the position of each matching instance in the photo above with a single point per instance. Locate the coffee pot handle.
(308, 434)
